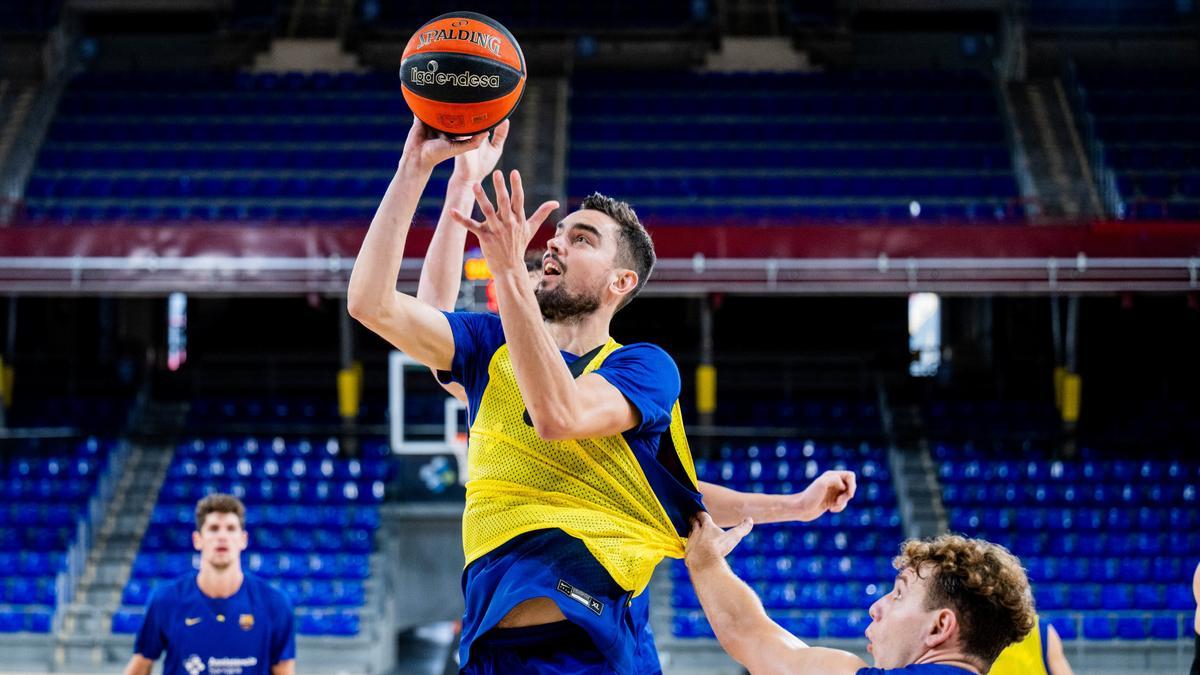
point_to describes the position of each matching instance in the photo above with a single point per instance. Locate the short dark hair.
(635, 249)
(219, 503)
(982, 582)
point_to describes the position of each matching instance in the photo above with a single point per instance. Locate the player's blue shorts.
(549, 649)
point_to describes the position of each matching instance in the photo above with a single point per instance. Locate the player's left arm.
(560, 406)
(283, 636)
(737, 616)
(1196, 595)
(1056, 658)
(830, 492)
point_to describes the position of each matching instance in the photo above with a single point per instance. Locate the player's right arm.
(139, 665)
(414, 327)
(737, 616)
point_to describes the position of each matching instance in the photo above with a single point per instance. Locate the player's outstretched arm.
(284, 668)
(737, 616)
(441, 271)
(830, 492)
(139, 665)
(416, 328)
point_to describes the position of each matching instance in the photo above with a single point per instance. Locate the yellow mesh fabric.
(1022, 658)
(591, 489)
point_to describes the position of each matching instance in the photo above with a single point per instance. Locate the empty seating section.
(1110, 543)
(817, 578)
(967, 418)
(91, 413)
(822, 418)
(45, 486)
(1149, 124)
(540, 14)
(1110, 14)
(222, 146)
(928, 147)
(311, 513)
(29, 17)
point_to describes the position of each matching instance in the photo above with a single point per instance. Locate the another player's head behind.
(599, 258)
(953, 595)
(220, 534)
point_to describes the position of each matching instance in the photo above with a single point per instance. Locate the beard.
(559, 305)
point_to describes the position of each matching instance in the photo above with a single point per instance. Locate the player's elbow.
(553, 425)
(548, 431)
(359, 306)
(367, 310)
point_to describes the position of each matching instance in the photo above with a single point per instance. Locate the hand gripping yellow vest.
(592, 489)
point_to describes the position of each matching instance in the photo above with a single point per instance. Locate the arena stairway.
(1045, 126)
(915, 478)
(86, 622)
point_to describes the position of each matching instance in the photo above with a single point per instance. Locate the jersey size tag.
(580, 597)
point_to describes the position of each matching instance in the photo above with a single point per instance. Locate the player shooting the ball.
(580, 479)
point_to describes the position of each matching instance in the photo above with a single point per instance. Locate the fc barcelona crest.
(246, 621)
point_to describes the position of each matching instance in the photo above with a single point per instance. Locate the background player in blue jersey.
(957, 603)
(221, 619)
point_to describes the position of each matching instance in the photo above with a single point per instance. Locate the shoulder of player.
(644, 351)
(267, 592)
(168, 594)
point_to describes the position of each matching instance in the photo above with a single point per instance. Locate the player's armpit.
(284, 668)
(413, 327)
(599, 409)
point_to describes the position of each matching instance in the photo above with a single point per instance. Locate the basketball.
(462, 73)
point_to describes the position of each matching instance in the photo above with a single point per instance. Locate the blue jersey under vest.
(243, 634)
(551, 563)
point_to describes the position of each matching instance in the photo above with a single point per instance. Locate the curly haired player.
(957, 603)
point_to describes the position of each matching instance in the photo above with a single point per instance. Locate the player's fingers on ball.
(499, 135)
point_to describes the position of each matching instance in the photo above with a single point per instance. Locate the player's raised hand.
(425, 148)
(505, 231)
(472, 166)
(831, 492)
(708, 543)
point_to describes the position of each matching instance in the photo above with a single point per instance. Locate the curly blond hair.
(982, 582)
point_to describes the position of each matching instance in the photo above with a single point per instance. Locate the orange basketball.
(462, 73)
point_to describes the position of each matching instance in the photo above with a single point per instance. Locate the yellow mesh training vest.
(592, 489)
(1022, 658)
